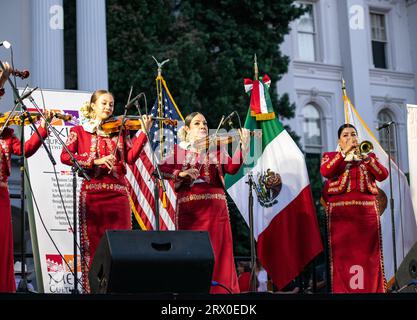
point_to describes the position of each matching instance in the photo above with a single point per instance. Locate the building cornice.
(317, 70)
(388, 78)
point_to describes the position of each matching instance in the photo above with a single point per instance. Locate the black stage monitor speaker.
(407, 272)
(152, 261)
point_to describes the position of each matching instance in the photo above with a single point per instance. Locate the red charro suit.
(355, 244)
(104, 202)
(10, 144)
(203, 206)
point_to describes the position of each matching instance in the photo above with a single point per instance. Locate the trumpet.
(366, 147)
(361, 150)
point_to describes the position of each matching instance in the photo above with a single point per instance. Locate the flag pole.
(345, 109)
(157, 173)
(253, 275)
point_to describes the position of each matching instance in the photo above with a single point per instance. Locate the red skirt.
(7, 282)
(204, 208)
(104, 205)
(355, 243)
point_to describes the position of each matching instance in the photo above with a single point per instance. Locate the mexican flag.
(285, 223)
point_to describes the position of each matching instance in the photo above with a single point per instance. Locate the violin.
(18, 121)
(114, 124)
(219, 140)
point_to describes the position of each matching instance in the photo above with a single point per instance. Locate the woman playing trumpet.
(354, 228)
(104, 202)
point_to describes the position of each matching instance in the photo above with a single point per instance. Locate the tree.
(210, 44)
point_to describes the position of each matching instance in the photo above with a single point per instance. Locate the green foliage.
(210, 44)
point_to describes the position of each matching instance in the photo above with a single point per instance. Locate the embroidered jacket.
(10, 144)
(87, 147)
(344, 176)
(216, 161)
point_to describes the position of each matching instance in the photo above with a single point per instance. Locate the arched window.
(312, 136)
(383, 117)
(312, 129)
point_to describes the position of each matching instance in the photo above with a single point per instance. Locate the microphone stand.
(251, 234)
(251, 183)
(76, 167)
(156, 173)
(23, 287)
(394, 247)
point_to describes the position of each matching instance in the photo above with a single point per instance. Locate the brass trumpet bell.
(366, 147)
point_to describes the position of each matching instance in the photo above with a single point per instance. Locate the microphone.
(5, 44)
(26, 95)
(385, 125)
(228, 119)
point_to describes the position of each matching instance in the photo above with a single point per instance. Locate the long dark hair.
(343, 126)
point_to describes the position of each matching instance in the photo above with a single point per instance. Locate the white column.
(354, 47)
(412, 27)
(48, 44)
(91, 45)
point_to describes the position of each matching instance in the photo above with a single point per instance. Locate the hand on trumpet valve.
(352, 150)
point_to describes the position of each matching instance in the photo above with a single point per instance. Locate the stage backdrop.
(51, 233)
(412, 150)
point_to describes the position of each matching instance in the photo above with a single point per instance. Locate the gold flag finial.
(344, 87)
(255, 67)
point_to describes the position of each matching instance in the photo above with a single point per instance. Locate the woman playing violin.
(10, 144)
(104, 202)
(201, 200)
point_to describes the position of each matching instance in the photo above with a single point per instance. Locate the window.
(312, 134)
(70, 45)
(379, 40)
(383, 117)
(306, 34)
(312, 129)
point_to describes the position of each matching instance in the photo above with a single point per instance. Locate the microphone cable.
(215, 284)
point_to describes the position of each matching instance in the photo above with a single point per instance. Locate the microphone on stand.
(228, 119)
(385, 125)
(133, 101)
(26, 95)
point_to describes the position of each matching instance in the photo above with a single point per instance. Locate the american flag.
(140, 175)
